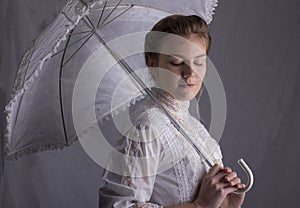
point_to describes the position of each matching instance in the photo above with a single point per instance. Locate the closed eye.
(198, 64)
(176, 64)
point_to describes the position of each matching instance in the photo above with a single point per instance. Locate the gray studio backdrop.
(256, 49)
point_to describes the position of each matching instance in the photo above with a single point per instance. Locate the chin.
(186, 96)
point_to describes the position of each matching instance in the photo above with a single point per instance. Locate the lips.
(189, 85)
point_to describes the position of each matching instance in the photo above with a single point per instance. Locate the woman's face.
(181, 67)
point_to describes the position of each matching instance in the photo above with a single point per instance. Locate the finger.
(230, 176)
(214, 170)
(223, 185)
(227, 170)
(234, 181)
(222, 174)
(240, 186)
(231, 189)
(227, 189)
(217, 179)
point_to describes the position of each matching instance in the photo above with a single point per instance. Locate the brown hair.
(178, 25)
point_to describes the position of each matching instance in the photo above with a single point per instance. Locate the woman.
(161, 169)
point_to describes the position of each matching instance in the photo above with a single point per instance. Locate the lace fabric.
(147, 205)
(179, 110)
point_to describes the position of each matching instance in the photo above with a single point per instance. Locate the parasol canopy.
(39, 115)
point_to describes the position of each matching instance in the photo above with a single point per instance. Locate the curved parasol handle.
(250, 177)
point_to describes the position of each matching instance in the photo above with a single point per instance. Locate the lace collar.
(178, 109)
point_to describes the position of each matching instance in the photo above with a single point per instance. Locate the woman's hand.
(217, 189)
(232, 199)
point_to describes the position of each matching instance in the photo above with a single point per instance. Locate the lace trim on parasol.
(35, 149)
(211, 10)
(118, 109)
(68, 18)
(108, 116)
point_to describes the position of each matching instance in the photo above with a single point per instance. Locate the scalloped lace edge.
(17, 154)
(35, 149)
(211, 10)
(108, 116)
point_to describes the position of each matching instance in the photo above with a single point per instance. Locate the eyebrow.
(182, 57)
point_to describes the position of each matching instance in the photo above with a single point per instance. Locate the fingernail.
(241, 186)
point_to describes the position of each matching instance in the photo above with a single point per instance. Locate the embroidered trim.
(130, 170)
(147, 205)
(127, 180)
(174, 148)
(178, 146)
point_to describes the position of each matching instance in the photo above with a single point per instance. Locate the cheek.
(201, 72)
(167, 77)
(198, 89)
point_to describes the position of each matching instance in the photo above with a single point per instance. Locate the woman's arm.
(132, 187)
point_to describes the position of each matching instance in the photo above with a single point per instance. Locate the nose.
(187, 71)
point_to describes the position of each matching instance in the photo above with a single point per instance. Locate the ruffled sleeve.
(132, 187)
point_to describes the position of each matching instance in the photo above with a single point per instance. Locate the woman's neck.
(170, 103)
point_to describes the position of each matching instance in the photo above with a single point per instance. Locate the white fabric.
(203, 8)
(155, 135)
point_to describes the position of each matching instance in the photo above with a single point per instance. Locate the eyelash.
(198, 64)
(175, 64)
(179, 64)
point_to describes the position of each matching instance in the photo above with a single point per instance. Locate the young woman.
(161, 169)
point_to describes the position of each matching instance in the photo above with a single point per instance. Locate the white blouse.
(162, 168)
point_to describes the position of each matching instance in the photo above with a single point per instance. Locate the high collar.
(171, 104)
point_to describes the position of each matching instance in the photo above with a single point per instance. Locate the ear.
(151, 62)
(153, 69)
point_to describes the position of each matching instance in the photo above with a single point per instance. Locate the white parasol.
(46, 72)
